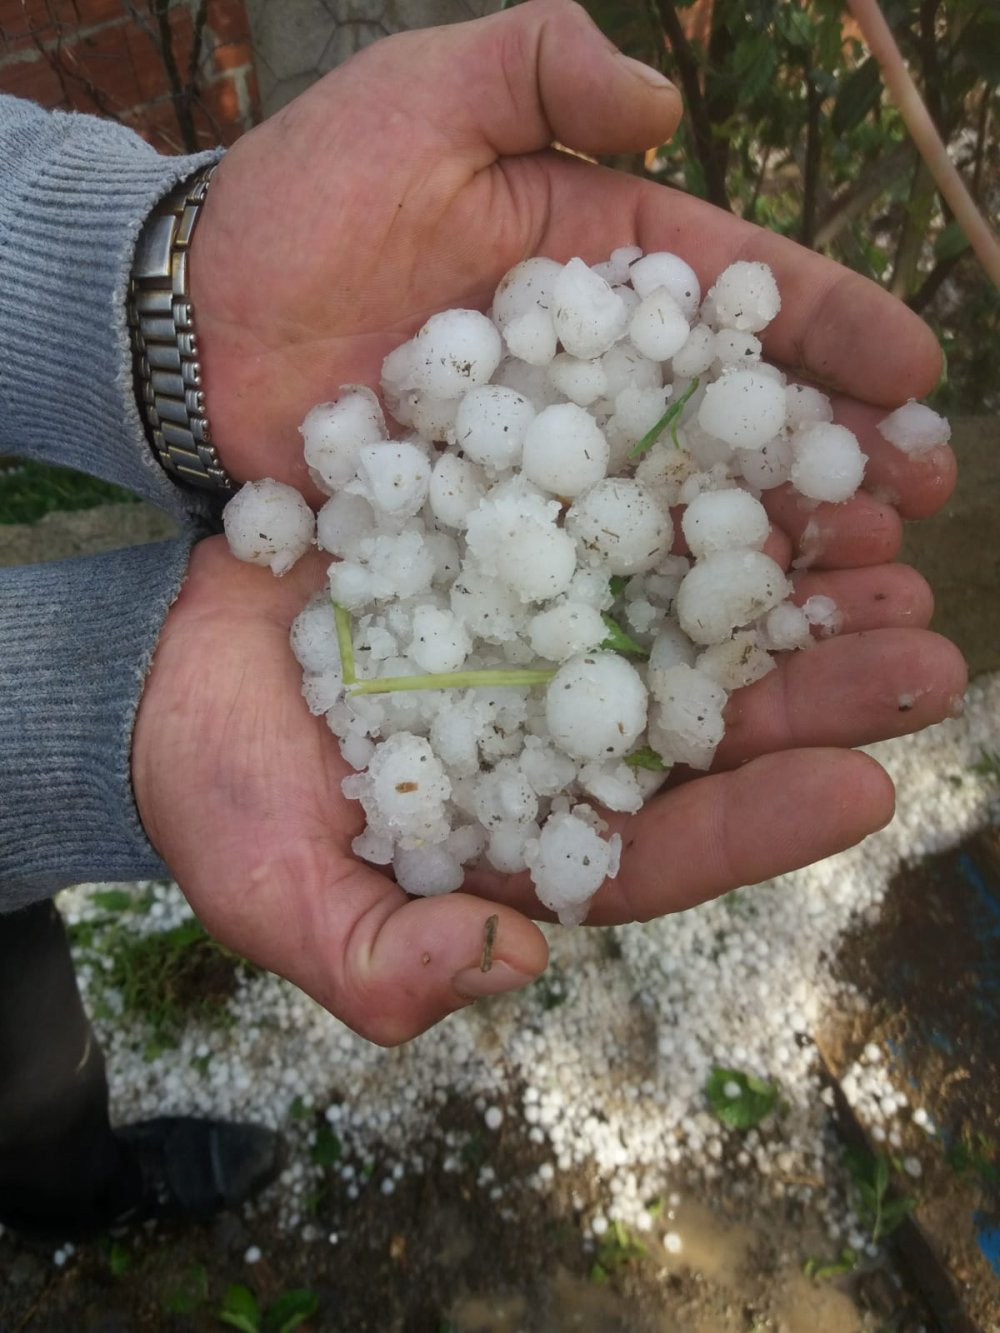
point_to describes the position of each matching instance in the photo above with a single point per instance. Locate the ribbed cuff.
(78, 637)
(76, 192)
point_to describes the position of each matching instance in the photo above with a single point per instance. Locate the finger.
(916, 486)
(860, 531)
(388, 966)
(849, 690)
(879, 597)
(774, 815)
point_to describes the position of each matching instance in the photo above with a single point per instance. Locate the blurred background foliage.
(787, 124)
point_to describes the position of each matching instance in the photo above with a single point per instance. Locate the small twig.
(489, 939)
(670, 418)
(917, 119)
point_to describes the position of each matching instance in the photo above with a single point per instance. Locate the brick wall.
(131, 60)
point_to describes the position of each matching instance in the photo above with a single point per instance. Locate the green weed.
(881, 1209)
(241, 1309)
(617, 1249)
(30, 490)
(740, 1100)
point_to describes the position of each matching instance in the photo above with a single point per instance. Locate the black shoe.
(190, 1169)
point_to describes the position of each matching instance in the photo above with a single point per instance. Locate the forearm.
(78, 637)
(76, 191)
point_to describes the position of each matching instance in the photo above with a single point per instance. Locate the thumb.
(517, 81)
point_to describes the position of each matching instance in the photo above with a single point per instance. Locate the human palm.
(407, 182)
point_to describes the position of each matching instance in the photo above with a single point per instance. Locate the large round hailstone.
(455, 351)
(569, 861)
(806, 406)
(727, 591)
(619, 523)
(660, 268)
(686, 723)
(490, 426)
(746, 408)
(827, 462)
(595, 706)
(588, 316)
(395, 476)
(427, 870)
(914, 428)
(342, 522)
(456, 487)
(333, 433)
(564, 450)
(407, 789)
(566, 629)
(658, 327)
(513, 533)
(268, 523)
(531, 337)
(314, 636)
(746, 296)
(720, 520)
(525, 287)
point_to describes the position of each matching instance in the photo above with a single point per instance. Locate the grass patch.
(29, 491)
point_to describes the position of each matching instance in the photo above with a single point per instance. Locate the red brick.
(232, 55)
(228, 20)
(35, 80)
(22, 24)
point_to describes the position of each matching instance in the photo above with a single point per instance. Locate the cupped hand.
(238, 787)
(413, 177)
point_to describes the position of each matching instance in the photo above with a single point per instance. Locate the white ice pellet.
(824, 613)
(314, 635)
(806, 406)
(744, 407)
(719, 520)
(726, 591)
(427, 870)
(440, 641)
(745, 296)
(514, 533)
(342, 522)
(582, 382)
(394, 476)
(455, 351)
(564, 450)
(686, 723)
(569, 861)
(768, 466)
(588, 316)
(827, 462)
(736, 662)
(456, 486)
(595, 706)
(565, 629)
(914, 428)
(532, 337)
(660, 268)
(268, 523)
(658, 327)
(697, 353)
(786, 626)
(406, 788)
(619, 524)
(490, 426)
(526, 286)
(332, 434)
(613, 785)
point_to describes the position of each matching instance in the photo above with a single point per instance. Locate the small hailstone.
(569, 861)
(582, 382)
(455, 351)
(731, 1089)
(726, 591)
(768, 466)
(744, 407)
(564, 450)
(526, 286)
(806, 406)
(456, 487)
(718, 520)
(686, 724)
(514, 533)
(824, 613)
(595, 706)
(427, 870)
(620, 524)
(489, 609)
(268, 523)
(613, 785)
(490, 426)
(493, 1117)
(745, 296)
(827, 462)
(332, 434)
(615, 269)
(672, 1243)
(914, 428)
(532, 337)
(697, 353)
(394, 476)
(658, 327)
(733, 348)
(406, 788)
(440, 642)
(626, 368)
(342, 522)
(660, 268)
(252, 1255)
(314, 635)
(561, 631)
(786, 626)
(588, 316)
(736, 662)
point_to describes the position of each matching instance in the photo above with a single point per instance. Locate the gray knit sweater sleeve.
(76, 637)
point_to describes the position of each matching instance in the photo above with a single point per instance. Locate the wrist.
(166, 355)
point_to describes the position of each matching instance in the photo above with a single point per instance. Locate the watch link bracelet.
(165, 353)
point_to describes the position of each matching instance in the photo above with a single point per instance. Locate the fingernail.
(647, 73)
(473, 982)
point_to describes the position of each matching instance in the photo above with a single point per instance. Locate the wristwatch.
(164, 348)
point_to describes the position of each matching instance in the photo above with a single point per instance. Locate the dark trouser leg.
(61, 1168)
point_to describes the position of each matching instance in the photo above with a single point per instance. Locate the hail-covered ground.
(549, 580)
(611, 1079)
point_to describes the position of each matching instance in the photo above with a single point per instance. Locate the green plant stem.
(342, 620)
(669, 418)
(453, 680)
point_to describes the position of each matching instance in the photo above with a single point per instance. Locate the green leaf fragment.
(752, 1101)
(646, 758)
(670, 418)
(618, 641)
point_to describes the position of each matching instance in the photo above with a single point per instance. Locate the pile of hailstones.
(514, 641)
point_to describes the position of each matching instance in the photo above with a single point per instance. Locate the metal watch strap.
(165, 352)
